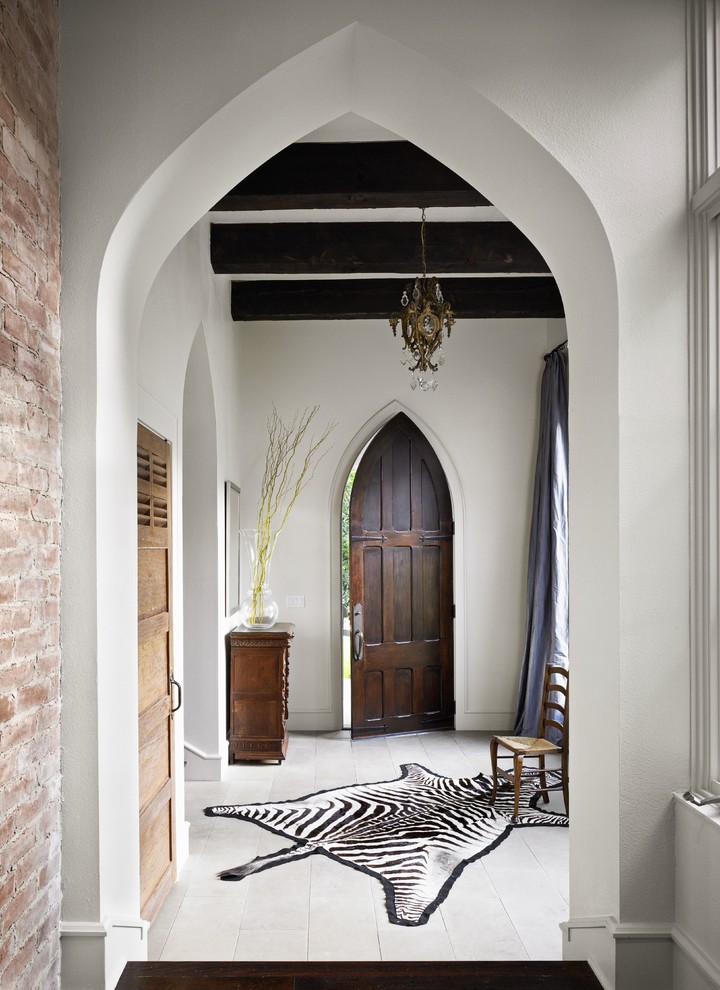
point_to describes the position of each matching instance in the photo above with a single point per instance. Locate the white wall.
(601, 89)
(483, 421)
(194, 374)
(204, 716)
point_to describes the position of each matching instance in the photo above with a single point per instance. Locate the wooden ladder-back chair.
(554, 717)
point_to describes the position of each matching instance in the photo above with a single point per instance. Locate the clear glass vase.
(259, 610)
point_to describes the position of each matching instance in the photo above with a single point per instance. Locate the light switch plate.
(295, 601)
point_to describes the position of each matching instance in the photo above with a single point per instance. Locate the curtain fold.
(546, 635)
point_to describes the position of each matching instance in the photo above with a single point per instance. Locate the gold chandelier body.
(425, 317)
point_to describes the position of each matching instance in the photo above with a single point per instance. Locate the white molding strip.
(135, 924)
(490, 711)
(689, 947)
(600, 976)
(311, 711)
(703, 316)
(201, 755)
(582, 924)
(626, 932)
(83, 929)
(101, 929)
(709, 812)
(595, 937)
(642, 931)
(706, 200)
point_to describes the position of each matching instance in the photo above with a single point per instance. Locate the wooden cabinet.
(259, 693)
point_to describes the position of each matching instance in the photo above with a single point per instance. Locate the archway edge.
(359, 70)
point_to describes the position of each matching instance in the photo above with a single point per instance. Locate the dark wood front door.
(401, 586)
(155, 720)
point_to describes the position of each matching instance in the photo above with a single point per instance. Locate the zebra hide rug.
(416, 834)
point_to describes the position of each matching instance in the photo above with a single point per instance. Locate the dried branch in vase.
(291, 459)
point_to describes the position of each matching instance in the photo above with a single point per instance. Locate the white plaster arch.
(345, 463)
(359, 70)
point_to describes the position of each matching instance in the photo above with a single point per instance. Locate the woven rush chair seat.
(554, 717)
(528, 745)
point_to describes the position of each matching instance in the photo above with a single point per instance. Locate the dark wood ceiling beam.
(351, 175)
(368, 299)
(360, 248)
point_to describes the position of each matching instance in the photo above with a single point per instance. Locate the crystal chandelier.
(424, 316)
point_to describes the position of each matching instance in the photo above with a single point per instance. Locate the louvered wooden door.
(157, 831)
(401, 586)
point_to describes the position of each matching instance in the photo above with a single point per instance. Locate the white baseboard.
(476, 720)
(202, 766)
(94, 953)
(317, 721)
(82, 946)
(182, 844)
(643, 956)
(600, 976)
(694, 969)
(632, 955)
(83, 929)
(591, 939)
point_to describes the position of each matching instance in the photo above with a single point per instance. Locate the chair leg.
(543, 779)
(517, 773)
(493, 761)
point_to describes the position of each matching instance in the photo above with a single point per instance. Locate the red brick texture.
(30, 492)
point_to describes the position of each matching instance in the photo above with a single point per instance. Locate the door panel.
(156, 826)
(401, 536)
(153, 580)
(155, 722)
(152, 652)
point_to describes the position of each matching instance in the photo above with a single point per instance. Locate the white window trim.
(704, 320)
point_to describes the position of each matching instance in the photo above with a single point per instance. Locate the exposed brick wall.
(30, 490)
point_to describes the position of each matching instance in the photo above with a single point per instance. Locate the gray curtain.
(546, 636)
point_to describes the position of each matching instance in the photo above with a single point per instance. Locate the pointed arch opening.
(401, 586)
(340, 542)
(362, 71)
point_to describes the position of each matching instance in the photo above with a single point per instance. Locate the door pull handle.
(358, 638)
(358, 644)
(175, 684)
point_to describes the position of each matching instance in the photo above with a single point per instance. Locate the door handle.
(175, 684)
(358, 638)
(358, 643)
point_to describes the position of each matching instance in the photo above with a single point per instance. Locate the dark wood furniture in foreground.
(259, 693)
(358, 976)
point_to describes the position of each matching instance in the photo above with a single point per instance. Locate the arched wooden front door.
(401, 586)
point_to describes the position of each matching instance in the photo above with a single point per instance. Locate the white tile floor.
(507, 905)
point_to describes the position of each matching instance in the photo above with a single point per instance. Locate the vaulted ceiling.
(331, 230)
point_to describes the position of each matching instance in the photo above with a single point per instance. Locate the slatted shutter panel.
(153, 499)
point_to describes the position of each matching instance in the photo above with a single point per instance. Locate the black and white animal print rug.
(416, 834)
